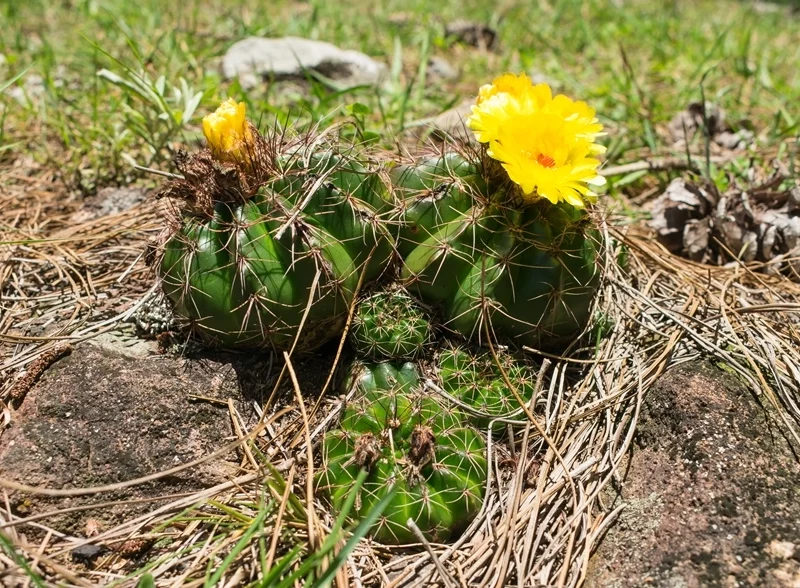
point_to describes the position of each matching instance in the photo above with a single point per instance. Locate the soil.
(711, 492)
(110, 413)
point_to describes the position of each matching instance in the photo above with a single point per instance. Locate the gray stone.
(31, 90)
(256, 58)
(452, 124)
(109, 201)
(441, 69)
(116, 200)
(472, 33)
(711, 492)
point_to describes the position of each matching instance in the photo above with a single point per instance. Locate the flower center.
(545, 160)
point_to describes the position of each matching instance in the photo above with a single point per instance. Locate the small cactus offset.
(274, 233)
(390, 325)
(500, 239)
(475, 378)
(404, 436)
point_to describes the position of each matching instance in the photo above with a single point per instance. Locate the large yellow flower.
(546, 144)
(228, 132)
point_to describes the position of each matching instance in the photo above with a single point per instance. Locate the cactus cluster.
(406, 437)
(476, 378)
(277, 239)
(390, 325)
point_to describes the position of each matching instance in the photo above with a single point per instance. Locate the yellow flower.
(546, 144)
(228, 132)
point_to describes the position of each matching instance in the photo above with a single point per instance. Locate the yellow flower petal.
(228, 132)
(546, 143)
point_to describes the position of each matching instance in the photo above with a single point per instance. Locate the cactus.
(274, 233)
(405, 437)
(390, 325)
(500, 237)
(471, 247)
(474, 377)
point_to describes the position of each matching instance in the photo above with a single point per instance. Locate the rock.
(440, 69)
(452, 124)
(30, 92)
(101, 416)
(256, 58)
(684, 125)
(109, 201)
(87, 553)
(125, 346)
(401, 19)
(116, 200)
(681, 202)
(471, 33)
(711, 492)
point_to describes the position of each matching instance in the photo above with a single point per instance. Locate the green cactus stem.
(529, 272)
(406, 437)
(390, 325)
(261, 248)
(475, 378)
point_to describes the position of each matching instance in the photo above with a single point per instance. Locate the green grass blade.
(8, 547)
(7, 84)
(237, 549)
(279, 567)
(358, 534)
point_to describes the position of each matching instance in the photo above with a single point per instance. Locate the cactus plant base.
(390, 325)
(479, 380)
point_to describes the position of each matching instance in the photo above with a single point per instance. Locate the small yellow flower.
(228, 132)
(546, 144)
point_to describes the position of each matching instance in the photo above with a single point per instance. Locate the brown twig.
(40, 365)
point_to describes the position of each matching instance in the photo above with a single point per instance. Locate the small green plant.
(313, 568)
(247, 529)
(405, 438)
(11, 551)
(475, 378)
(390, 325)
(157, 111)
(5, 85)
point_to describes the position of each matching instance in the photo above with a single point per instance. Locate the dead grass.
(63, 280)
